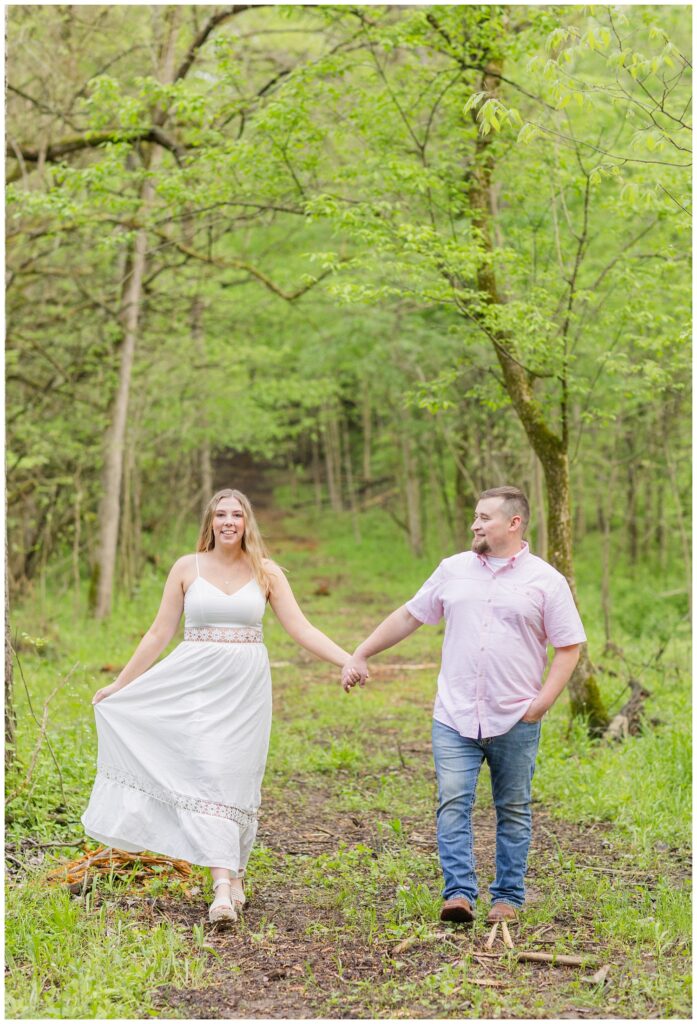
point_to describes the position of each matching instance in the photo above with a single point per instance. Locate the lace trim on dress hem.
(174, 799)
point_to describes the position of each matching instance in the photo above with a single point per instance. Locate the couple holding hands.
(181, 754)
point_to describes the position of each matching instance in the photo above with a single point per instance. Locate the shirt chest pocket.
(517, 609)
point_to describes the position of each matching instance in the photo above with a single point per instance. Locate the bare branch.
(73, 144)
(596, 149)
(210, 25)
(243, 265)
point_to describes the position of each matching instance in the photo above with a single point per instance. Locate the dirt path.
(286, 972)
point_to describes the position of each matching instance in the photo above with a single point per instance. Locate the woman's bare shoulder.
(272, 568)
(184, 566)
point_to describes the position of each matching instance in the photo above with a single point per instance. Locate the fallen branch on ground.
(553, 958)
(627, 721)
(108, 860)
(407, 943)
(492, 936)
(600, 977)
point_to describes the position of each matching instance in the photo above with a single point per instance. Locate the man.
(502, 606)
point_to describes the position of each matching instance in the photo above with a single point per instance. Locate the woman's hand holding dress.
(106, 691)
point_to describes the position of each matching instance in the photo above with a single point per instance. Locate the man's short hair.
(514, 502)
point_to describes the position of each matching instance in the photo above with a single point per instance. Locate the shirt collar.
(519, 556)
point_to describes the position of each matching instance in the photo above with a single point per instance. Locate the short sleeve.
(426, 605)
(563, 624)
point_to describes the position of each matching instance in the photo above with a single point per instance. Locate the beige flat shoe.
(222, 909)
(237, 895)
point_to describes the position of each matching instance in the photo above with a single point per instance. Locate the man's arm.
(563, 665)
(391, 630)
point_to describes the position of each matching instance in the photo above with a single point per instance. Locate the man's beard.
(480, 545)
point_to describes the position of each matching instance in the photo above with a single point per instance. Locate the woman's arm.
(158, 636)
(287, 609)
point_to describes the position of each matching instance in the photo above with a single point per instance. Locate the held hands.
(354, 671)
(106, 691)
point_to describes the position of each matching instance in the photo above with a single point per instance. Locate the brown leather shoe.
(457, 909)
(502, 912)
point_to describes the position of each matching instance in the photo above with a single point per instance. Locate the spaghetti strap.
(198, 571)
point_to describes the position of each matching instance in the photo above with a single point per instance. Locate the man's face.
(493, 530)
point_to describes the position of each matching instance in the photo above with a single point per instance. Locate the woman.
(182, 745)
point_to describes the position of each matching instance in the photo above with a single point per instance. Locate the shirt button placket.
(486, 622)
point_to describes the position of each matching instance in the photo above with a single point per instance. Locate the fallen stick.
(600, 977)
(507, 940)
(552, 958)
(411, 940)
(492, 935)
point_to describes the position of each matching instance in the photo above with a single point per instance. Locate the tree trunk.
(112, 474)
(631, 510)
(584, 695)
(447, 513)
(367, 423)
(350, 484)
(136, 512)
(412, 493)
(199, 347)
(438, 503)
(539, 502)
(316, 473)
(463, 499)
(77, 524)
(332, 458)
(206, 472)
(10, 713)
(125, 559)
(551, 448)
(661, 518)
(605, 504)
(661, 528)
(682, 522)
(605, 580)
(579, 489)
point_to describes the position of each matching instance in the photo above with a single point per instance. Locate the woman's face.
(228, 524)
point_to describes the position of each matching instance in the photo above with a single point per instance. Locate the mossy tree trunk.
(550, 445)
(10, 713)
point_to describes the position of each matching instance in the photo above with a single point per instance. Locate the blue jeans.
(511, 760)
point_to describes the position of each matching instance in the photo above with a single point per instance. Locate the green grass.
(366, 755)
(71, 959)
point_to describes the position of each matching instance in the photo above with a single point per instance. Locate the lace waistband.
(225, 634)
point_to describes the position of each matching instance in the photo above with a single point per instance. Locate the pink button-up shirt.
(498, 623)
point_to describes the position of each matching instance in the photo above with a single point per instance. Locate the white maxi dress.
(182, 749)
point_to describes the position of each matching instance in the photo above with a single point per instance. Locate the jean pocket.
(529, 727)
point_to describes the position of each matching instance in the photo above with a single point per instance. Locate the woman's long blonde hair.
(252, 543)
